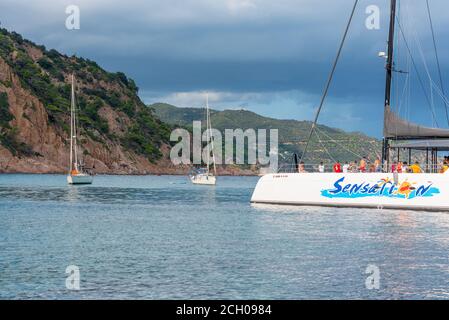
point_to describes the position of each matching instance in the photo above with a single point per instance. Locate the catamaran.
(77, 171)
(204, 175)
(386, 189)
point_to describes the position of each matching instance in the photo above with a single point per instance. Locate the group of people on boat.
(404, 167)
(365, 165)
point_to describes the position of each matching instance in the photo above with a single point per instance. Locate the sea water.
(160, 237)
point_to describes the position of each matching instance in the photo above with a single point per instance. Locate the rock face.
(119, 134)
(31, 120)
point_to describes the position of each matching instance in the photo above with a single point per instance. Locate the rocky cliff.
(119, 133)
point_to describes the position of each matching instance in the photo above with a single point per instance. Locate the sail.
(395, 126)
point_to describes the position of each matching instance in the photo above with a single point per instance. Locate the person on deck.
(355, 167)
(394, 167)
(337, 167)
(377, 165)
(362, 166)
(302, 168)
(405, 167)
(399, 167)
(416, 168)
(321, 168)
(351, 167)
(346, 167)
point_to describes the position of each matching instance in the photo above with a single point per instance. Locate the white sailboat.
(387, 189)
(204, 175)
(77, 172)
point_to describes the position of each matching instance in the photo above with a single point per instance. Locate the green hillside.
(330, 144)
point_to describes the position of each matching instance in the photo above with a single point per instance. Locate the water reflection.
(161, 237)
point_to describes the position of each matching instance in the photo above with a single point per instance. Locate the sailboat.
(390, 189)
(77, 171)
(204, 175)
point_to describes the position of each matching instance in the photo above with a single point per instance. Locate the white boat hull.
(80, 179)
(371, 190)
(203, 179)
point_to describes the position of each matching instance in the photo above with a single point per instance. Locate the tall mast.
(389, 65)
(210, 136)
(207, 131)
(210, 141)
(74, 133)
(389, 73)
(71, 127)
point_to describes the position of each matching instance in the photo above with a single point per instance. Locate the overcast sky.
(271, 57)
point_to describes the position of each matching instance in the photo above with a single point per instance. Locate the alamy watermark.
(238, 146)
(373, 280)
(73, 21)
(372, 22)
(72, 282)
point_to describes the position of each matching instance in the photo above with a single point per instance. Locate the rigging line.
(403, 100)
(437, 58)
(329, 80)
(409, 89)
(438, 90)
(409, 66)
(404, 89)
(338, 144)
(325, 149)
(426, 68)
(373, 144)
(417, 72)
(397, 48)
(375, 147)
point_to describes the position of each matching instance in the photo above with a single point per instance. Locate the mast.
(74, 142)
(207, 132)
(389, 66)
(71, 128)
(210, 141)
(389, 73)
(210, 136)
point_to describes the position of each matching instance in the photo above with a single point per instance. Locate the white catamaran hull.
(203, 179)
(80, 179)
(371, 190)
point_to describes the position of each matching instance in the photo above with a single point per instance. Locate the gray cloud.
(250, 49)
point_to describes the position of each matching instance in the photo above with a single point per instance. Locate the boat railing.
(312, 168)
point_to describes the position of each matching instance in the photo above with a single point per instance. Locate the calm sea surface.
(159, 237)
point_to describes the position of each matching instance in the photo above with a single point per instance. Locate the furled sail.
(395, 126)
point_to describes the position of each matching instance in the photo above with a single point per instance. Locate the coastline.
(132, 165)
(154, 169)
(242, 174)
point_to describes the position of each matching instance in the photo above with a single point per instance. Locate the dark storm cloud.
(247, 51)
